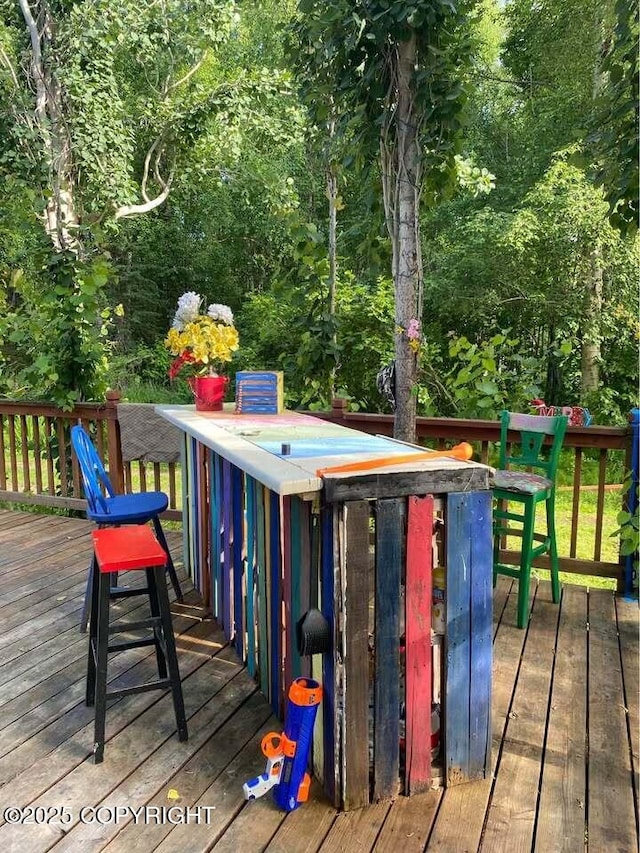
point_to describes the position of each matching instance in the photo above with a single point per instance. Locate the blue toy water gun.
(288, 753)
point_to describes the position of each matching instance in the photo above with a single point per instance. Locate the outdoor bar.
(402, 554)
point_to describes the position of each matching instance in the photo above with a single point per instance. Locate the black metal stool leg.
(102, 648)
(154, 606)
(91, 606)
(171, 569)
(86, 607)
(172, 658)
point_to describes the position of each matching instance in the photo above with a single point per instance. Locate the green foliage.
(490, 376)
(629, 522)
(54, 345)
(615, 134)
(345, 59)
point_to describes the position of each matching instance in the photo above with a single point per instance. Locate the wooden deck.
(565, 731)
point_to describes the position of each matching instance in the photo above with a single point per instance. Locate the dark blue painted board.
(458, 642)
(390, 516)
(469, 636)
(250, 484)
(481, 634)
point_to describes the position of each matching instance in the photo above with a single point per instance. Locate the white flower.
(222, 313)
(188, 310)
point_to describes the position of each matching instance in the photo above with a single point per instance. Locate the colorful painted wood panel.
(249, 546)
(418, 654)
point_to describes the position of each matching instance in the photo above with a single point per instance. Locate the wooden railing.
(37, 466)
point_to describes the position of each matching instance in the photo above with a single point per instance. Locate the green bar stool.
(516, 483)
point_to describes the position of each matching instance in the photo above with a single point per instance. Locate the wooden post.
(355, 615)
(114, 450)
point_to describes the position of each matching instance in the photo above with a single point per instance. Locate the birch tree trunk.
(591, 333)
(60, 216)
(407, 273)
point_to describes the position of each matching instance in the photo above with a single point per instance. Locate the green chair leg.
(525, 564)
(553, 549)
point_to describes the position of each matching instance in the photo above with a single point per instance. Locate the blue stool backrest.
(94, 477)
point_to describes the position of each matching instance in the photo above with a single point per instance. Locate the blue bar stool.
(105, 507)
(119, 549)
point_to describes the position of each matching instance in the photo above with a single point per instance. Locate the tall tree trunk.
(591, 332)
(332, 195)
(60, 215)
(407, 273)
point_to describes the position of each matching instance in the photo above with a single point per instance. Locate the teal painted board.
(250, 485)
(237, 491)
(481, 634)
(390, 518)
(458, 639)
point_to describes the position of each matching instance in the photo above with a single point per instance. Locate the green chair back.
(527, 452)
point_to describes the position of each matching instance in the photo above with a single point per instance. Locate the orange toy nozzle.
(462, 451)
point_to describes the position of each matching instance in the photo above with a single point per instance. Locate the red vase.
(208, 392)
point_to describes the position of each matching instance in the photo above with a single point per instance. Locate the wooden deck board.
(575, 666)
(561, 816)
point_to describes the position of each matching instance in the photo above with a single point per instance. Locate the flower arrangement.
(205, 340)
(413, 333)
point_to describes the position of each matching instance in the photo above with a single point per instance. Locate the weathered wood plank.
(275, 597)
(227, 568)
(408, 823)
(355, 611)
(611, 813)
(210, 723)
(390, 518)
(480, 603)
(224, 795)
(136, 727)
(461, 816)
(251, 578)
(511, 818)
(418, 654)
(562, 808)
(628, 617)
(346, 487)
(304, 829)
(361, 824)
(458, 642)
(237, 550)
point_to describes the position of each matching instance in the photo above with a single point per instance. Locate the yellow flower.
(204, 339)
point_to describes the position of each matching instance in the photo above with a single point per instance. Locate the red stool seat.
(120, 549)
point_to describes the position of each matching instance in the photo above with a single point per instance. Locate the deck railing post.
(114, 450)
(630, 573)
